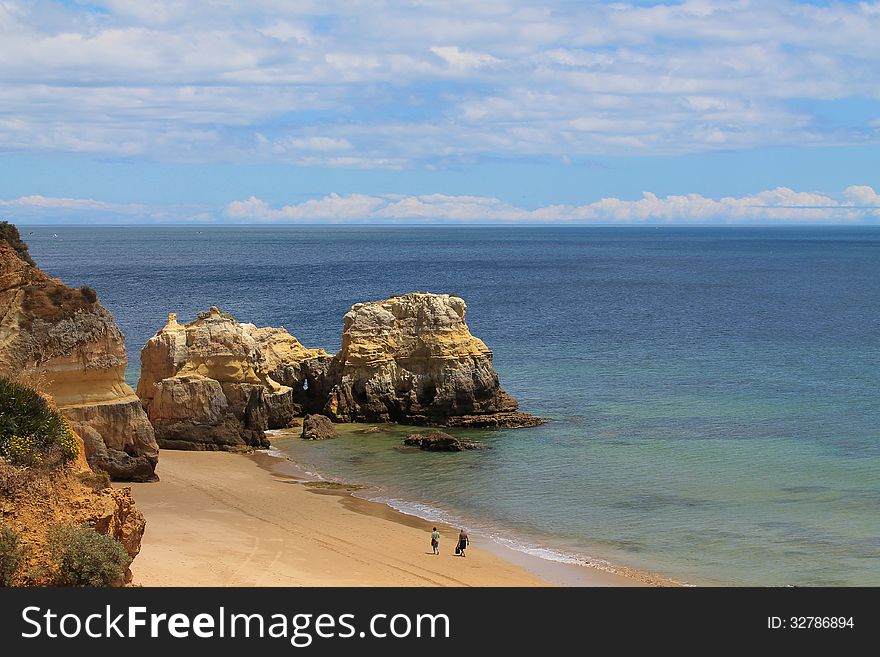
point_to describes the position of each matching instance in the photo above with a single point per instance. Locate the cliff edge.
(46, 485)
(33, 502)
(65, 340)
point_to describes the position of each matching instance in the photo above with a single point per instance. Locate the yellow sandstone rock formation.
(68, 344)
(218, 384)
(412, 359)
(209, 384)
(33, 501)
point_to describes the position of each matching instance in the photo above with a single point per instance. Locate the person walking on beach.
(463, 542)
(435, 541)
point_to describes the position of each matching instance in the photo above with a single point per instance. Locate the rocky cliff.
(412, 359)
(209, 384)
(34, 500)
(67, 342)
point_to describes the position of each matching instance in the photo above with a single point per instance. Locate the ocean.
(713, 393)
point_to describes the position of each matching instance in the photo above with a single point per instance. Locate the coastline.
(557, 572)
(225, 519)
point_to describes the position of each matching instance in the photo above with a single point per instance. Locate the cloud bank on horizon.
(856, 204)
(433, 86)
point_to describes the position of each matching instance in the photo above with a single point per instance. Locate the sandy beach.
(223, 519)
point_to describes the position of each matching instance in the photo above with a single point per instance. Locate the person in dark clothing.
(463, 542)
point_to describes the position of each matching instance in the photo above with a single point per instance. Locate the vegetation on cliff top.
(37, 490)
(45, 298)
(11, 555)
(215, 311)
(9, 234)
(31, 432)
(52, 301)
(86, 558)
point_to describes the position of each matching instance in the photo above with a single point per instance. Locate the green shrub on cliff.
(97, 479)
(205, 314)
(86, 558)
(88, 293)
(9, 234)
(11, 554)
(31, 433)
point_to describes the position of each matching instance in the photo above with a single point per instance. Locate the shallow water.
(712, 391)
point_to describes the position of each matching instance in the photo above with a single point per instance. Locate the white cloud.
(780, 205)
(862, 195)
(456, 59)
(856, 204)
(321, 144)
(286, 31)
(334, 207)
(295, 144)
(197, 80)
(49, 203)
(36, 208)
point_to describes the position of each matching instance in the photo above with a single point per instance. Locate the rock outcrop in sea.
(209, 384)
(411, 359)
(215, 383)
(68, 344)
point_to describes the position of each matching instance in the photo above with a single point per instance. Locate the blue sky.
(519, 112)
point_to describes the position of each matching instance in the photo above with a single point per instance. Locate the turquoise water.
(713, 392)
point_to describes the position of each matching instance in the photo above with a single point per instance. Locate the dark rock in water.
(507, 420)
(318, 427)
(437, 441)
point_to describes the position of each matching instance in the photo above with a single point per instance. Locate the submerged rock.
(505, 420)
(438, 441)
(208, 384)
(67, 344)
(318, 427)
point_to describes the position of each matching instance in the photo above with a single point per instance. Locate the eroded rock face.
(194, 412)
(209, 384)
(412, 359)
(122, 520)
(118, 438)
(318, 427)
(65, 342)
(306, 372)
(34, 501)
